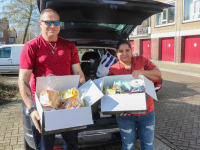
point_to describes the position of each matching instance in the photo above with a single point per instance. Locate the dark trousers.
(46, 142)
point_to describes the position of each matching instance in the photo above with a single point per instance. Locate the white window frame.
(2, 43)
(0, 34)
(11, 39)
(167, 24)
(193, 13)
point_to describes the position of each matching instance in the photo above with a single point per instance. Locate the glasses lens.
(56, 23)
(48, 23)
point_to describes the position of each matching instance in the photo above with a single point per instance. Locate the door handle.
(9, 59)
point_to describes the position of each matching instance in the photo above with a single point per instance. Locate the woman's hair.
(123, 42)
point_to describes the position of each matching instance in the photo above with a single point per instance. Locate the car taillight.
(58, 148)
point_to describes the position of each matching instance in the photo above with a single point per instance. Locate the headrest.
(90, 55)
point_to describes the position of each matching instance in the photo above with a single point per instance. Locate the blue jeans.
(46, 142)
(130, 126)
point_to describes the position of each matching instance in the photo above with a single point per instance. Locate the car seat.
(89, 61)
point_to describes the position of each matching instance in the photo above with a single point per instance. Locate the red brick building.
(173, 35)
(6, 36)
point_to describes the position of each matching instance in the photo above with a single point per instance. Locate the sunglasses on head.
(56, 23)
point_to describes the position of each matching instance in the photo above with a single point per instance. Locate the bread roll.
(50, 98)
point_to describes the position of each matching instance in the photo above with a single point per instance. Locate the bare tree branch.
(21, 14)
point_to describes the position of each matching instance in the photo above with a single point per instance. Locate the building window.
(5, 52)
(191, 10)
(1, 34)
(10, 39)
(143, 29)
(2, 43)
(166, 17)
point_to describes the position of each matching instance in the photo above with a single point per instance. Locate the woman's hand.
(137, 73)
(153, 74)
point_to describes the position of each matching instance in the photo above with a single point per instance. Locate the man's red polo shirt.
(37, 55)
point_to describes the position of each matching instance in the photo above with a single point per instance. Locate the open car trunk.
(100, 23)
(101, 20)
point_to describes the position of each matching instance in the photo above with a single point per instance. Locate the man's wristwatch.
(31, 110)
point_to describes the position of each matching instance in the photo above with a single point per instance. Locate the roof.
(4, 24)
(12, 33)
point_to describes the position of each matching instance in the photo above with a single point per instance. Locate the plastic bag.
(122, 86)
(69, 94)
(73, 103)
(49, 95)
(138, 86)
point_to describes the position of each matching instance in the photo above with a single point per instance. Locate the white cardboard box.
(56, 121)
(130, 103)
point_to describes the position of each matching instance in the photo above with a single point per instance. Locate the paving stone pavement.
(11, 130)
(11, 127)
(178, 112)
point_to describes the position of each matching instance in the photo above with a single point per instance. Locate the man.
(47, 55)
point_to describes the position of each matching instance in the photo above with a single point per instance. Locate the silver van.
(9, 58)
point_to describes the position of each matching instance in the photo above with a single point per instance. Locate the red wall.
(168, 49)
(192, 49)
(5, 37)
(146, 48)
(132, 45)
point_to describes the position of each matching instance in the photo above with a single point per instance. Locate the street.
(177, 116)
(177, 111)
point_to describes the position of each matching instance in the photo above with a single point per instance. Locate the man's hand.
(124, 114)
(35, 117)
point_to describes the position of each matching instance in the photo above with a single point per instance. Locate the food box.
(134, 103)
(56, 121)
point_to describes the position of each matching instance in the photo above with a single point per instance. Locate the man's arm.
(76, 70)
(153, 74)
(25, 91)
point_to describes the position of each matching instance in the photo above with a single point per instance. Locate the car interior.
(90, 59)
(89, 63)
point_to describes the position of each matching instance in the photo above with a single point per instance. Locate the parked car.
(94, 26)
(9, 58)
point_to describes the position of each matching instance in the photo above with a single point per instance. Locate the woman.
(128, 123)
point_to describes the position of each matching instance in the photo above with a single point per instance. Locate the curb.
(180, 72)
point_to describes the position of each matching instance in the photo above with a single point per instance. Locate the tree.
(22, 14)
(30, 35)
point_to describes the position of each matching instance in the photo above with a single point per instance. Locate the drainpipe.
(179, 43)
(175, 45)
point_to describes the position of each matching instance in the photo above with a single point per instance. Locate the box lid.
(91, 92)
(98, 82)
(149, 88)
(62, 83)
(59, 83)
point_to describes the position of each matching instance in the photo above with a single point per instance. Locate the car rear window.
(116, 27)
